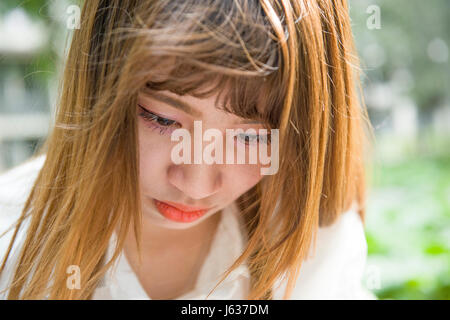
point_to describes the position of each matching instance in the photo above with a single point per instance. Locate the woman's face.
(168, 189)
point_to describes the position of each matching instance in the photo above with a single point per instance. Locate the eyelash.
(154, 123)
(258, 137)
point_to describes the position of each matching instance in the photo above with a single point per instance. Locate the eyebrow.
(179, 104)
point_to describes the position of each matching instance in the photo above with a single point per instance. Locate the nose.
(196, 181)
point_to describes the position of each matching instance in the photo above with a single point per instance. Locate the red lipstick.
(179, 212)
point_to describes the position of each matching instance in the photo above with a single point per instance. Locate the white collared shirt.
(333, 271)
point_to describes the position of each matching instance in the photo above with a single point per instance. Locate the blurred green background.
(404, 51)
(405, 78)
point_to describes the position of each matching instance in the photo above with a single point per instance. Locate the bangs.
(252, 98)
(225, 49)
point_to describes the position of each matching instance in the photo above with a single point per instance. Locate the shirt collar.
(121, 282)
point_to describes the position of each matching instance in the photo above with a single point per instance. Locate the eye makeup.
(157, 122)
(253, 139)
(165, 125)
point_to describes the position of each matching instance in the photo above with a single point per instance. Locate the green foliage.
(408, 228)
(39, 68)
(407, 27)
(35, 8)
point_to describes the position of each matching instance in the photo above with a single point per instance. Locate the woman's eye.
(158, 122)
(251, 139)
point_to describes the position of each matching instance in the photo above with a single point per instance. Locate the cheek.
(242, 178)
(153, 159)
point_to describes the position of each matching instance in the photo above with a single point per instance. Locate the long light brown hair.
(290, 63)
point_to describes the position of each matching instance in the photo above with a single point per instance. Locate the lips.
(185, 208)
(179, 212)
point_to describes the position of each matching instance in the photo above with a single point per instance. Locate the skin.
(174, 251)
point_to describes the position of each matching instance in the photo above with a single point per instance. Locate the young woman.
(104, 212)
